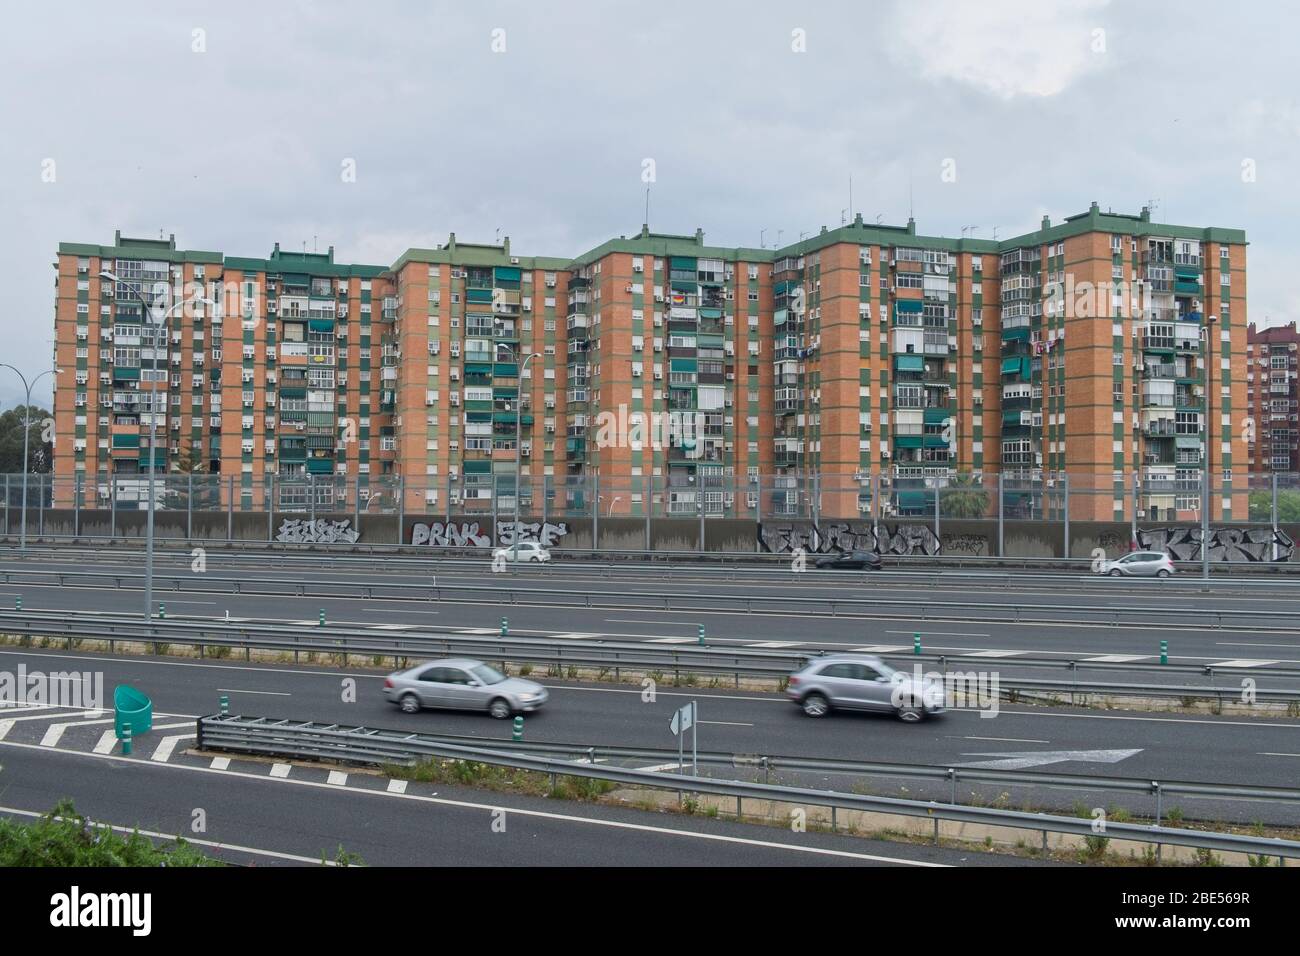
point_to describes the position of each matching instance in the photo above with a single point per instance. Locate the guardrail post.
(952, 776)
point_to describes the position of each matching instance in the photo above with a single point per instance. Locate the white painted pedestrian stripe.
(879, 648)
(670, 640)
(1116, 658)
(338, 778)
(575, 636)
(54, 733)
(1244, 664)
(397, 786)
(776, 644)
(280, 769)
(163, 752)
(220, 763)
(994, 653)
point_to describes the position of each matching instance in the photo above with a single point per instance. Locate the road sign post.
(684, 719)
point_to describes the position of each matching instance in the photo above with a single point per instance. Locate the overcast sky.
(537, 119)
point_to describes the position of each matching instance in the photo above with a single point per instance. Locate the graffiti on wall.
(450, 534)
(1183, 543)
(470, 534)
(318, 531)
(547, 533)
(842, 536)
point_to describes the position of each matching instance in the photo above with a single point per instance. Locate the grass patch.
(63, 838)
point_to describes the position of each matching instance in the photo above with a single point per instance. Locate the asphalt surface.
(254, 818)
(1146, 746)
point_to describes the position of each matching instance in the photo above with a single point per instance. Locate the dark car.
(851, 561)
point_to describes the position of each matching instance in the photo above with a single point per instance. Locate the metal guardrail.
(610, 656)
(1170, 616)
(314, 741)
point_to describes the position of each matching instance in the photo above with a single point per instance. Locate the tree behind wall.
(40, 454)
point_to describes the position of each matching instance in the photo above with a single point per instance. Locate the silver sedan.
(462, 684)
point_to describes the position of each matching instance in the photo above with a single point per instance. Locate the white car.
(523, 551)
(1140, 564)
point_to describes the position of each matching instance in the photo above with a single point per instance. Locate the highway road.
(1149, 746)
(1090, 635)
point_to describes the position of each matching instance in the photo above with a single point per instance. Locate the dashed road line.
(1115, 658)
(777, 644)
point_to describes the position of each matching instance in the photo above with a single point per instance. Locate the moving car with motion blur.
(523, 551)
(850, 561)
(460, 683)
(1146, 564)
(862, 682)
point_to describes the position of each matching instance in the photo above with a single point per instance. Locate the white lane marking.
(995, 654)
(397, 786)
(27, 709)
(219, 763)
(1013, 740)
(630, 620)
(394, 627)
(939, 633)
(337, 778)
(294, 858)
(1116, 658)
(1267, 753)
(267, 693)
(163, 752)
(575, 635)
(1243, 663)
(280, 769)
(670, 640)
(776, 644)
(477, 630)
(54, 733)
(878, 648)
(541, 814)
(1250, 644)
(725, 723)
(107, 741)
(660, 767)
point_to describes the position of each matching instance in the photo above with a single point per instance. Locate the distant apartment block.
(1272, 398)
(862, 354)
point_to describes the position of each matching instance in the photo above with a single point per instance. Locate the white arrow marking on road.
(55, 731)
(1041, 758)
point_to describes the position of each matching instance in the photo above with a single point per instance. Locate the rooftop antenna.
(761, 233)
(779, 234)
(910, 214)
(497, 240)
(844, 216)
(879, 216)
(314, 246)
(647, 206)
(995, 233)
(850, 195)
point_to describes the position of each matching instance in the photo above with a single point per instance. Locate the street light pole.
(519, 432)
(1209, 445)
(148, 314)
(27, 431)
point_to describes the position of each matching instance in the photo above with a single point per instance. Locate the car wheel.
(816, 705)
(1115, 572)
(909, 714)
(499, 708)
(1162, 573)
(409, 703)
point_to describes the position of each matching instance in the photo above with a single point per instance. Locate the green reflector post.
(1164, 652)
(518, 733)
(916, 643)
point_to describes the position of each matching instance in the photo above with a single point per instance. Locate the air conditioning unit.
(636, 372)
(659, 297)
(731, 376)
(514, 260)
(550, 283)
(658, 375)
(629, 287)
(300, 426)
(638, 268)
(455, 398)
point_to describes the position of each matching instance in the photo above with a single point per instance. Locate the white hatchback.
(1152, 564)
(523, 551)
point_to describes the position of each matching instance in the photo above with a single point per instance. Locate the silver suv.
(860, 682)
(462, 684)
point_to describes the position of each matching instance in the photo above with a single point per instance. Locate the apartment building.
(1272, 398)
(860, 368)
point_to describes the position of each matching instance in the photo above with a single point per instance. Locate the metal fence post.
(230, 509)
(270, 507)
(1274, 521)
(595, 500)
(76, 507)
(1205, 527)
(449, 496)
(6, 506)
(356, 503)
(937, 490)
(112, 506)
(1001, 517)
(1065, 480)
(189, 507)
(401, 505)
(875, 506)
(311, 496)
(1133, 518)
(40, 505)
(647, 487)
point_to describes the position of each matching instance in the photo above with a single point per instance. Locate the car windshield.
(488, 675)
